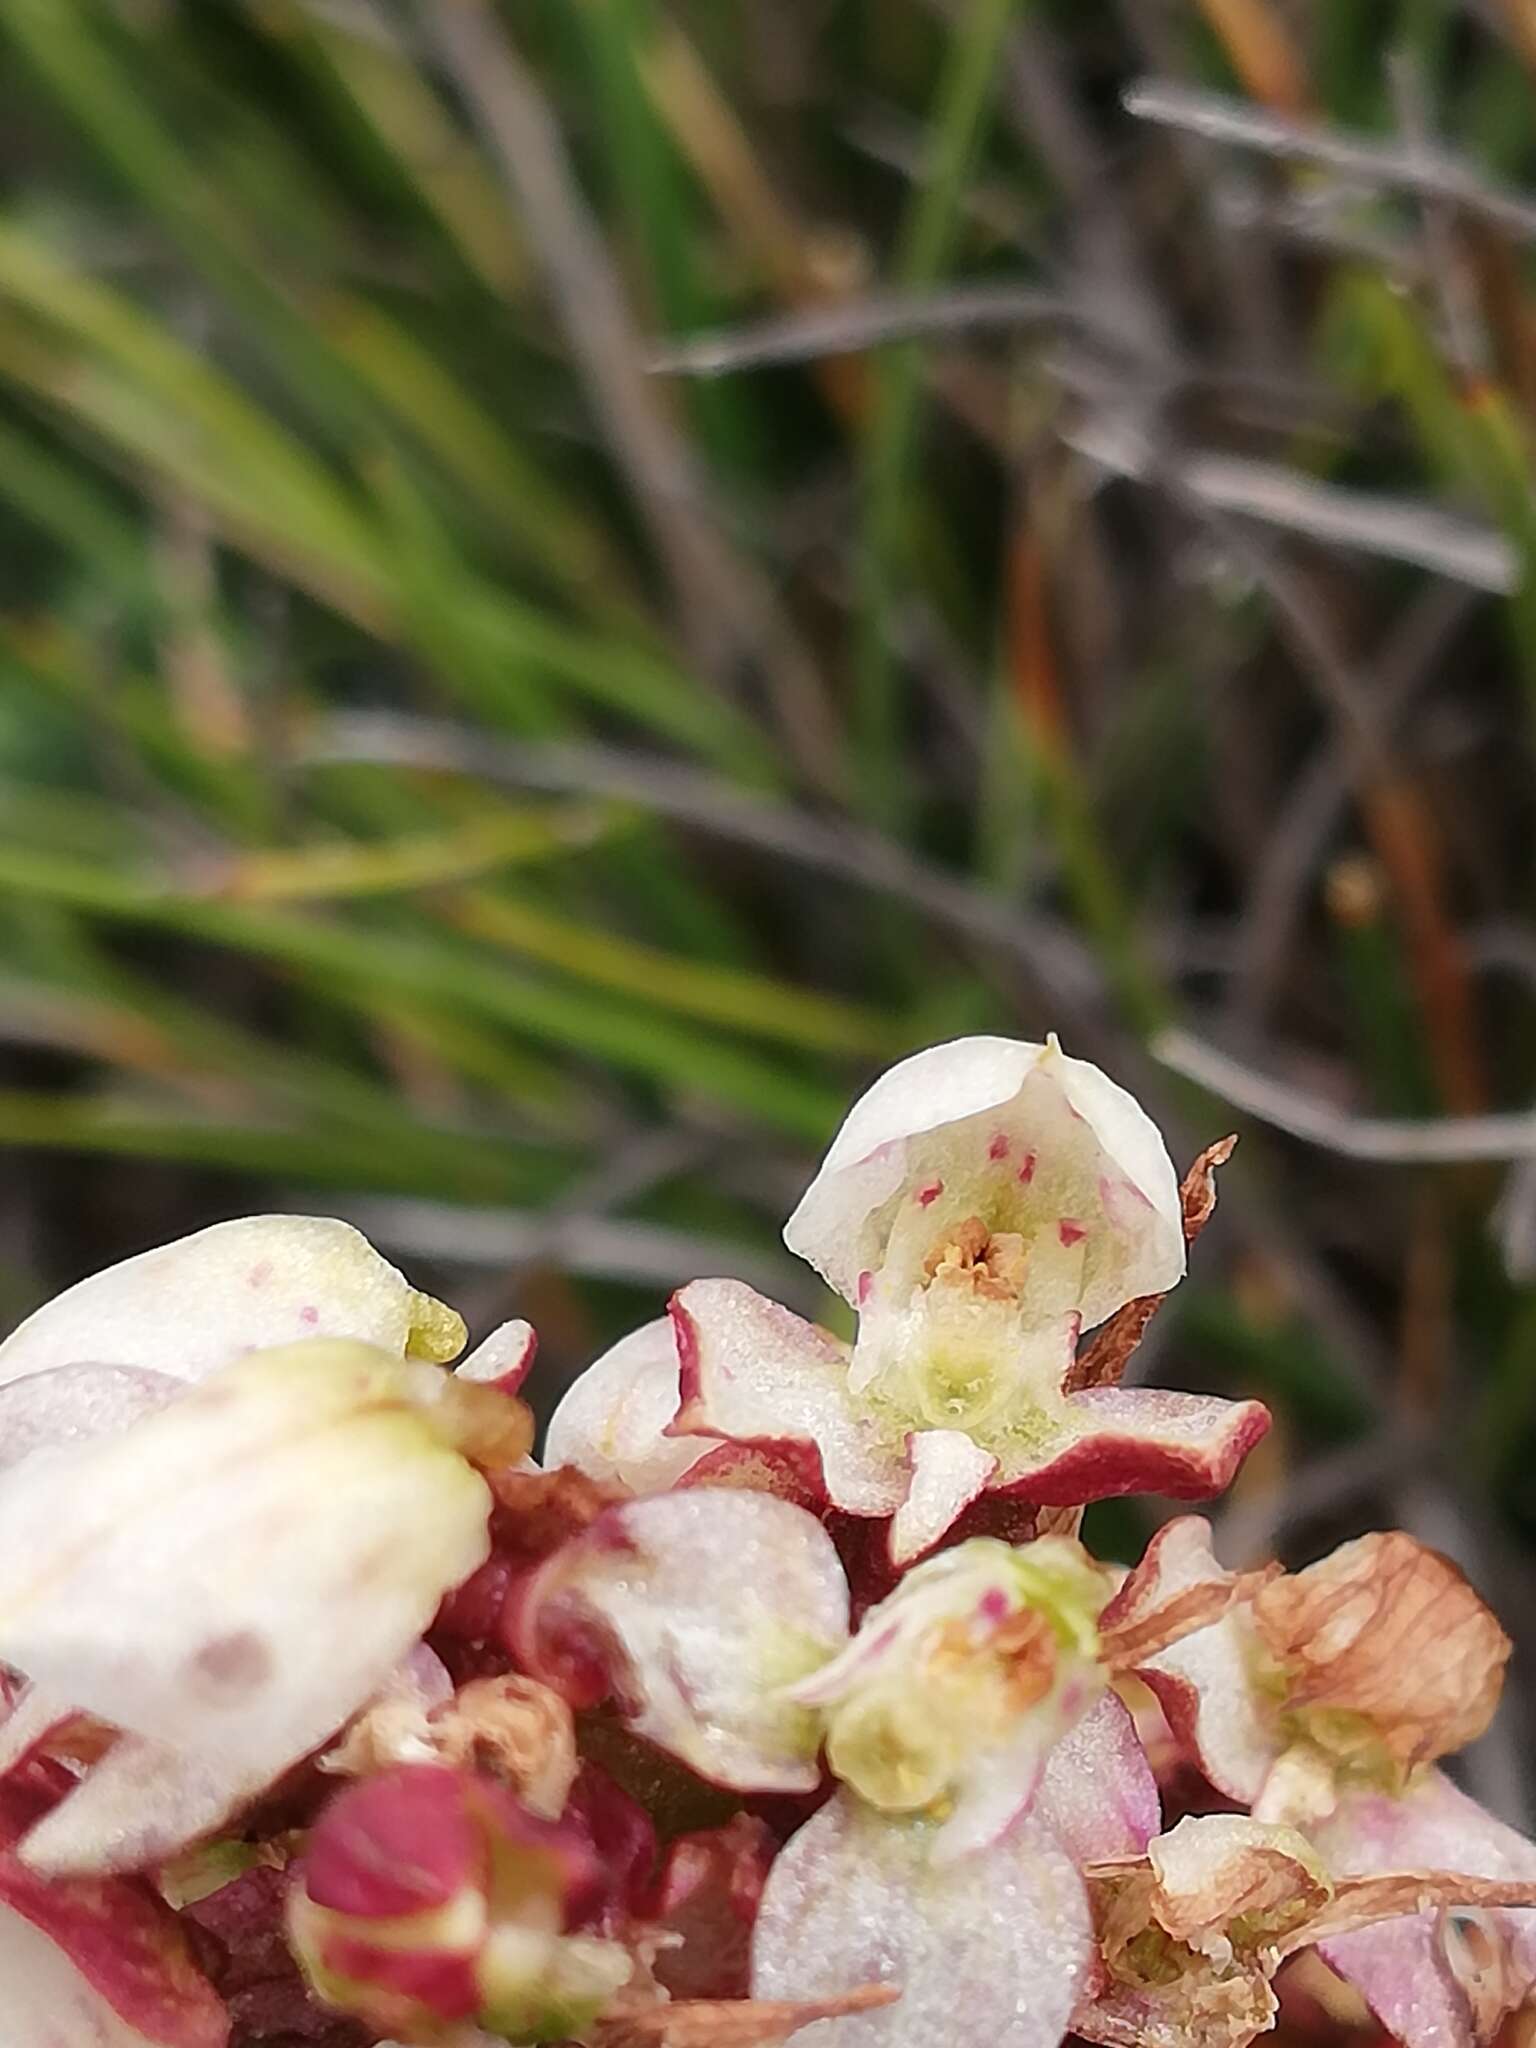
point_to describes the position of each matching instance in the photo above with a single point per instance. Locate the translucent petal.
(1411, 1970)
(702, 1605)
(994, 1948)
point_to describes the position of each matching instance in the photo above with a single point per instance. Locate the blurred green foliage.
(454, 773)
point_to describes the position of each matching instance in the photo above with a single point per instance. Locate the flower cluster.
(781, 1692)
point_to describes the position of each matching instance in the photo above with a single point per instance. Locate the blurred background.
(576, 577)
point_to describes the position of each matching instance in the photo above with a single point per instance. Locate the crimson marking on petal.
(998, 1149)
(786, 1466)
(309, 1315)
(866, 1282)
(1026, 1172)
(689, 1388)
(930, 1193)
(1070, 1231)
(1118, 1458)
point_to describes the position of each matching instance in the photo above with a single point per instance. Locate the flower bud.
(430, 1897)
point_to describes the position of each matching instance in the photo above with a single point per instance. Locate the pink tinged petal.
(1115, 1440)
(948, 1471)
(1414, 1972)
(995, 1948)
(790, 1471)
(190, 1307)
(98, 1964)
(504, 1359)
(72, 1404)
(753, 1372)
(399, 1843)
(699, 1608)
(612, 1421)
(1204, 1683)
(1097, 1794)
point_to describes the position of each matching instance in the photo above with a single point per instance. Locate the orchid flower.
(982, 1205)
(1287, 1688)
(953, 1692)
(492, 1754)
(1322, 1699)
(229, 1579)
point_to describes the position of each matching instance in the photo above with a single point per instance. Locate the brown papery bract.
(1390, 1630)
(730, 2022)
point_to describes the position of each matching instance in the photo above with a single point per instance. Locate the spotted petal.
(993, 1948)
(189, 1307)
(697, 1608)
(1018, 1106)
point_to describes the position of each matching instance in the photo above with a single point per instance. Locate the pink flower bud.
(429, 1895)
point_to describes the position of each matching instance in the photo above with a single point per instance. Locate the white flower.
(229, 1579)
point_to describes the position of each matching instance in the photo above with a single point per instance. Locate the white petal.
(71, 1404)
(189, 1307)
(139, 1805)
(993, 1949)
(866, 1162)
(948, 1471)
(715, 1601)
(1204, 1684)
(610, 1420)
(1119, 1157)
(1097, 1793)
(503, 1359)
(234, 1576)
(754, 1372)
